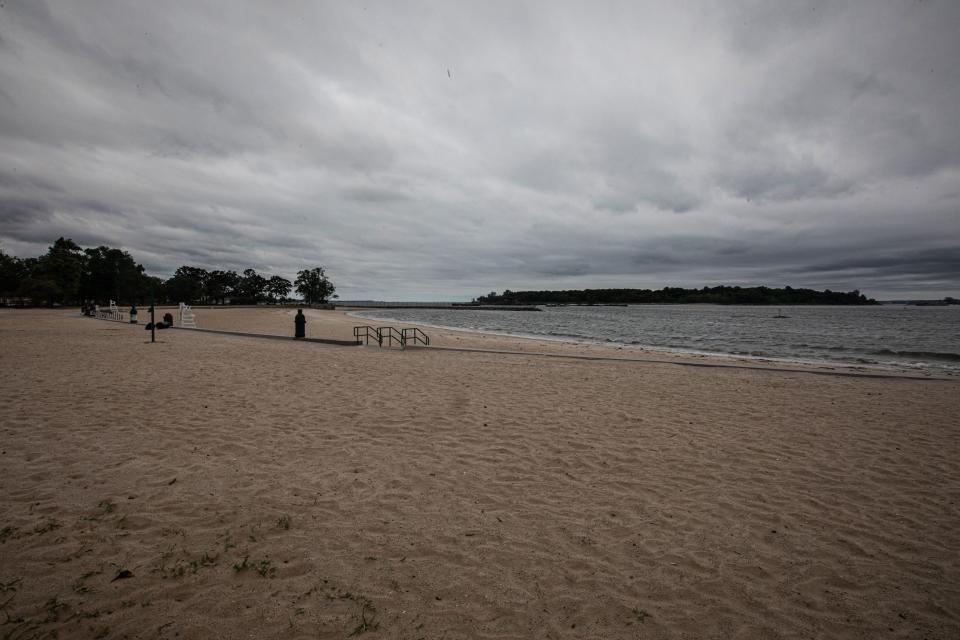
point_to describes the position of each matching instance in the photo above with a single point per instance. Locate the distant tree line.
(70, 275)
(677, 295)
(946, 302)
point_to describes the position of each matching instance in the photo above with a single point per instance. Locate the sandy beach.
(214, 486)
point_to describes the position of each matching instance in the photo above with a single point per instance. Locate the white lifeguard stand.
(187, 319)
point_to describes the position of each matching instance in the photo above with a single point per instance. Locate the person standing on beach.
(300, 325)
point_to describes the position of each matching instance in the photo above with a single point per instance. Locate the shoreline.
(518, 343)
(570, 344)
(925, 372)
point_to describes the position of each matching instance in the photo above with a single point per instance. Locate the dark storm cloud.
(27, 182)
(570, 144)
(17, 212)
(933, 263)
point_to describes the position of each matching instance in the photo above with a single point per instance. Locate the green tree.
(56, 276)
(221, 285)
(13, 272)
(252, 286)
(41, 291)
(314, 286)
(186, 285)
(112, 274)
(278, 288)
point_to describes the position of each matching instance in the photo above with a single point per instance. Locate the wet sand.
(272, 489)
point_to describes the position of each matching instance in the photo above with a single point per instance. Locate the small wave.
(921, 355)
(563, 335)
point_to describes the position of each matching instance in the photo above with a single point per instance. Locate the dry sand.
(273, 489)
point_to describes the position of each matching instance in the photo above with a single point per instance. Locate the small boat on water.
(780, 314)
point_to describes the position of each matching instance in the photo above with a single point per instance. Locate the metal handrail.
(414, 335)
(390, 334)
(366, 332)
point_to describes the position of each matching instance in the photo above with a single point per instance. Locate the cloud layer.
(441, 150)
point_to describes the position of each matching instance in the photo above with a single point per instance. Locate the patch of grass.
(227, 542)
(8, 532)
(284, 522)
(50, 525)
(192, 566)
(187, 565)
(13, 585)
(243, 565)
(641, 615)
(176, 571)
(364, 623)
(108, 506)
(53, 607)
(264, 568)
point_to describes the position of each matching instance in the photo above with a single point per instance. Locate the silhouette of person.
(300, 325)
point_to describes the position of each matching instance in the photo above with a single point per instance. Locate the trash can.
(133, 314)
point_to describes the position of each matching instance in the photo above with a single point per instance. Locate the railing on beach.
(366, 332)
(414, 335)
(390, 335)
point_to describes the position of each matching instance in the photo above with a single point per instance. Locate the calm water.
(926, 338)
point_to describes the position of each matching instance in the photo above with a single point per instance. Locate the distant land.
(945, 302)
(677, 295)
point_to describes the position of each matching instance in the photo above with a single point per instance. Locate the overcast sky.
(443, 150)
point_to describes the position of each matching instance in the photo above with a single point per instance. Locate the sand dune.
(266, 489)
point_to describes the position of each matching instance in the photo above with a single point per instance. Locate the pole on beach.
(153, 320)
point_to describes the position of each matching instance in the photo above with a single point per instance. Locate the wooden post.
(153, 319)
